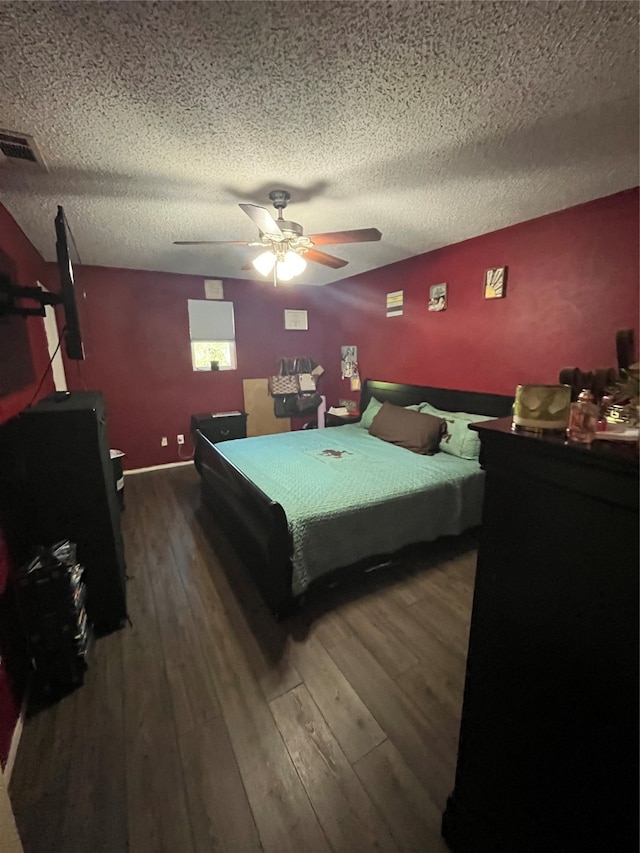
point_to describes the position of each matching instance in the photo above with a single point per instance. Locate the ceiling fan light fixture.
(285, 242)
(288, 266)
(264, 262)
(294, 264)
(282, 272)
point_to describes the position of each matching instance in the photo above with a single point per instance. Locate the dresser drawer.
(220, 427)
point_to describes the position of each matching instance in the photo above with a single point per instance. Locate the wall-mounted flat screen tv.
(72, 332)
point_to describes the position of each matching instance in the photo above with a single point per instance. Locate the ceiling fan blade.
(210, 243)
(247, 266)
(263, 219)
(324, 258)
(360, 235)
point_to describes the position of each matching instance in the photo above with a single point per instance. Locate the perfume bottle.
(583, 418)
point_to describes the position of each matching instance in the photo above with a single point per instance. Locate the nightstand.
(340, 420)
(221, 426)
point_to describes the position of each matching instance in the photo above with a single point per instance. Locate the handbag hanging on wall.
(285, 406)
(307, 403)
(284, 385)
(307, 382)
(294, 388)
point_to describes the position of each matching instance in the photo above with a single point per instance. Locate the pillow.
(370, 412)
(413, 430)
(459, 440)
(374, 407)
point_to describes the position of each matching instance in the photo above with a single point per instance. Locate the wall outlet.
(180, 439)
(164, 441)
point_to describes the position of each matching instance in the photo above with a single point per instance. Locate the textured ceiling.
(433, 122)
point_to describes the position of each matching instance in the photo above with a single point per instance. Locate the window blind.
(211, 320)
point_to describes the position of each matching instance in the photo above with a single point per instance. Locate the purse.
(307, 381)
(285, 406)
(280, 385)
(307, 403)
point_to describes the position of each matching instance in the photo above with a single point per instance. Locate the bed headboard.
(496, 405)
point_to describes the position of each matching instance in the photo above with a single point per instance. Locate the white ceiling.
(433, 122)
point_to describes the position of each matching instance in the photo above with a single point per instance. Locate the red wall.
(25, 266)
(23, 360)
(136, 328)
(572, 283)
(11, 683)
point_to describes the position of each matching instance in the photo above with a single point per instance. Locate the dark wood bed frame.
(257, 526)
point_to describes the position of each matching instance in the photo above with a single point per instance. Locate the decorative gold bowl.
(542, 408)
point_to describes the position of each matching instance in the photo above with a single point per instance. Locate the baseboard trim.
(15, 738)
(159, 467)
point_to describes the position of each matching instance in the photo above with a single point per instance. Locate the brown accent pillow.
(414, 430)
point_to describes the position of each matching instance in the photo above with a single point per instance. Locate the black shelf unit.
(71, 494)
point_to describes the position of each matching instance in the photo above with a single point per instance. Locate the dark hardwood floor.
(208, 727)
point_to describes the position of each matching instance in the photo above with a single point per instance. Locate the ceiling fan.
(287, 249)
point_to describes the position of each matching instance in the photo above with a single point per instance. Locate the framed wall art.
(437, 297)
(495, 283)
(395, 303)
(298, 320)
(348, 361)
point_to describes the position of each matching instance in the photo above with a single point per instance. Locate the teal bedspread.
(348, 495)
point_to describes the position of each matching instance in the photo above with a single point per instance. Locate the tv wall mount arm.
(11, 293)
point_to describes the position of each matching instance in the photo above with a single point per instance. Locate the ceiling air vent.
(18, 148)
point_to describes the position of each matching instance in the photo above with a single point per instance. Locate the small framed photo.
(395, 303)
(437, 297)
(495, 283)
(298, 320)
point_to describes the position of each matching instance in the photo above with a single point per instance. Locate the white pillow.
(459, 440)
(370, 412)
(374, 407)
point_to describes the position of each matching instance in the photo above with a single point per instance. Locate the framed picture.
(296, 320)
(213, 288)
(395, 303)
(495, 283)
(348, 361)
(437, 297)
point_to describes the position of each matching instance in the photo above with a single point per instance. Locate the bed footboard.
(255, 524)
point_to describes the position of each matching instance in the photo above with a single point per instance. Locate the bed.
(304, 507)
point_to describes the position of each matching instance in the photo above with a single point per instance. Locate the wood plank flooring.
(206, 726)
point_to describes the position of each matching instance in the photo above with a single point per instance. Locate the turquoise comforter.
(348, 495)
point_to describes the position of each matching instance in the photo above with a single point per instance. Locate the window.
(212, 334)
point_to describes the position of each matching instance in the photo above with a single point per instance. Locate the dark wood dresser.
(548, 750)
